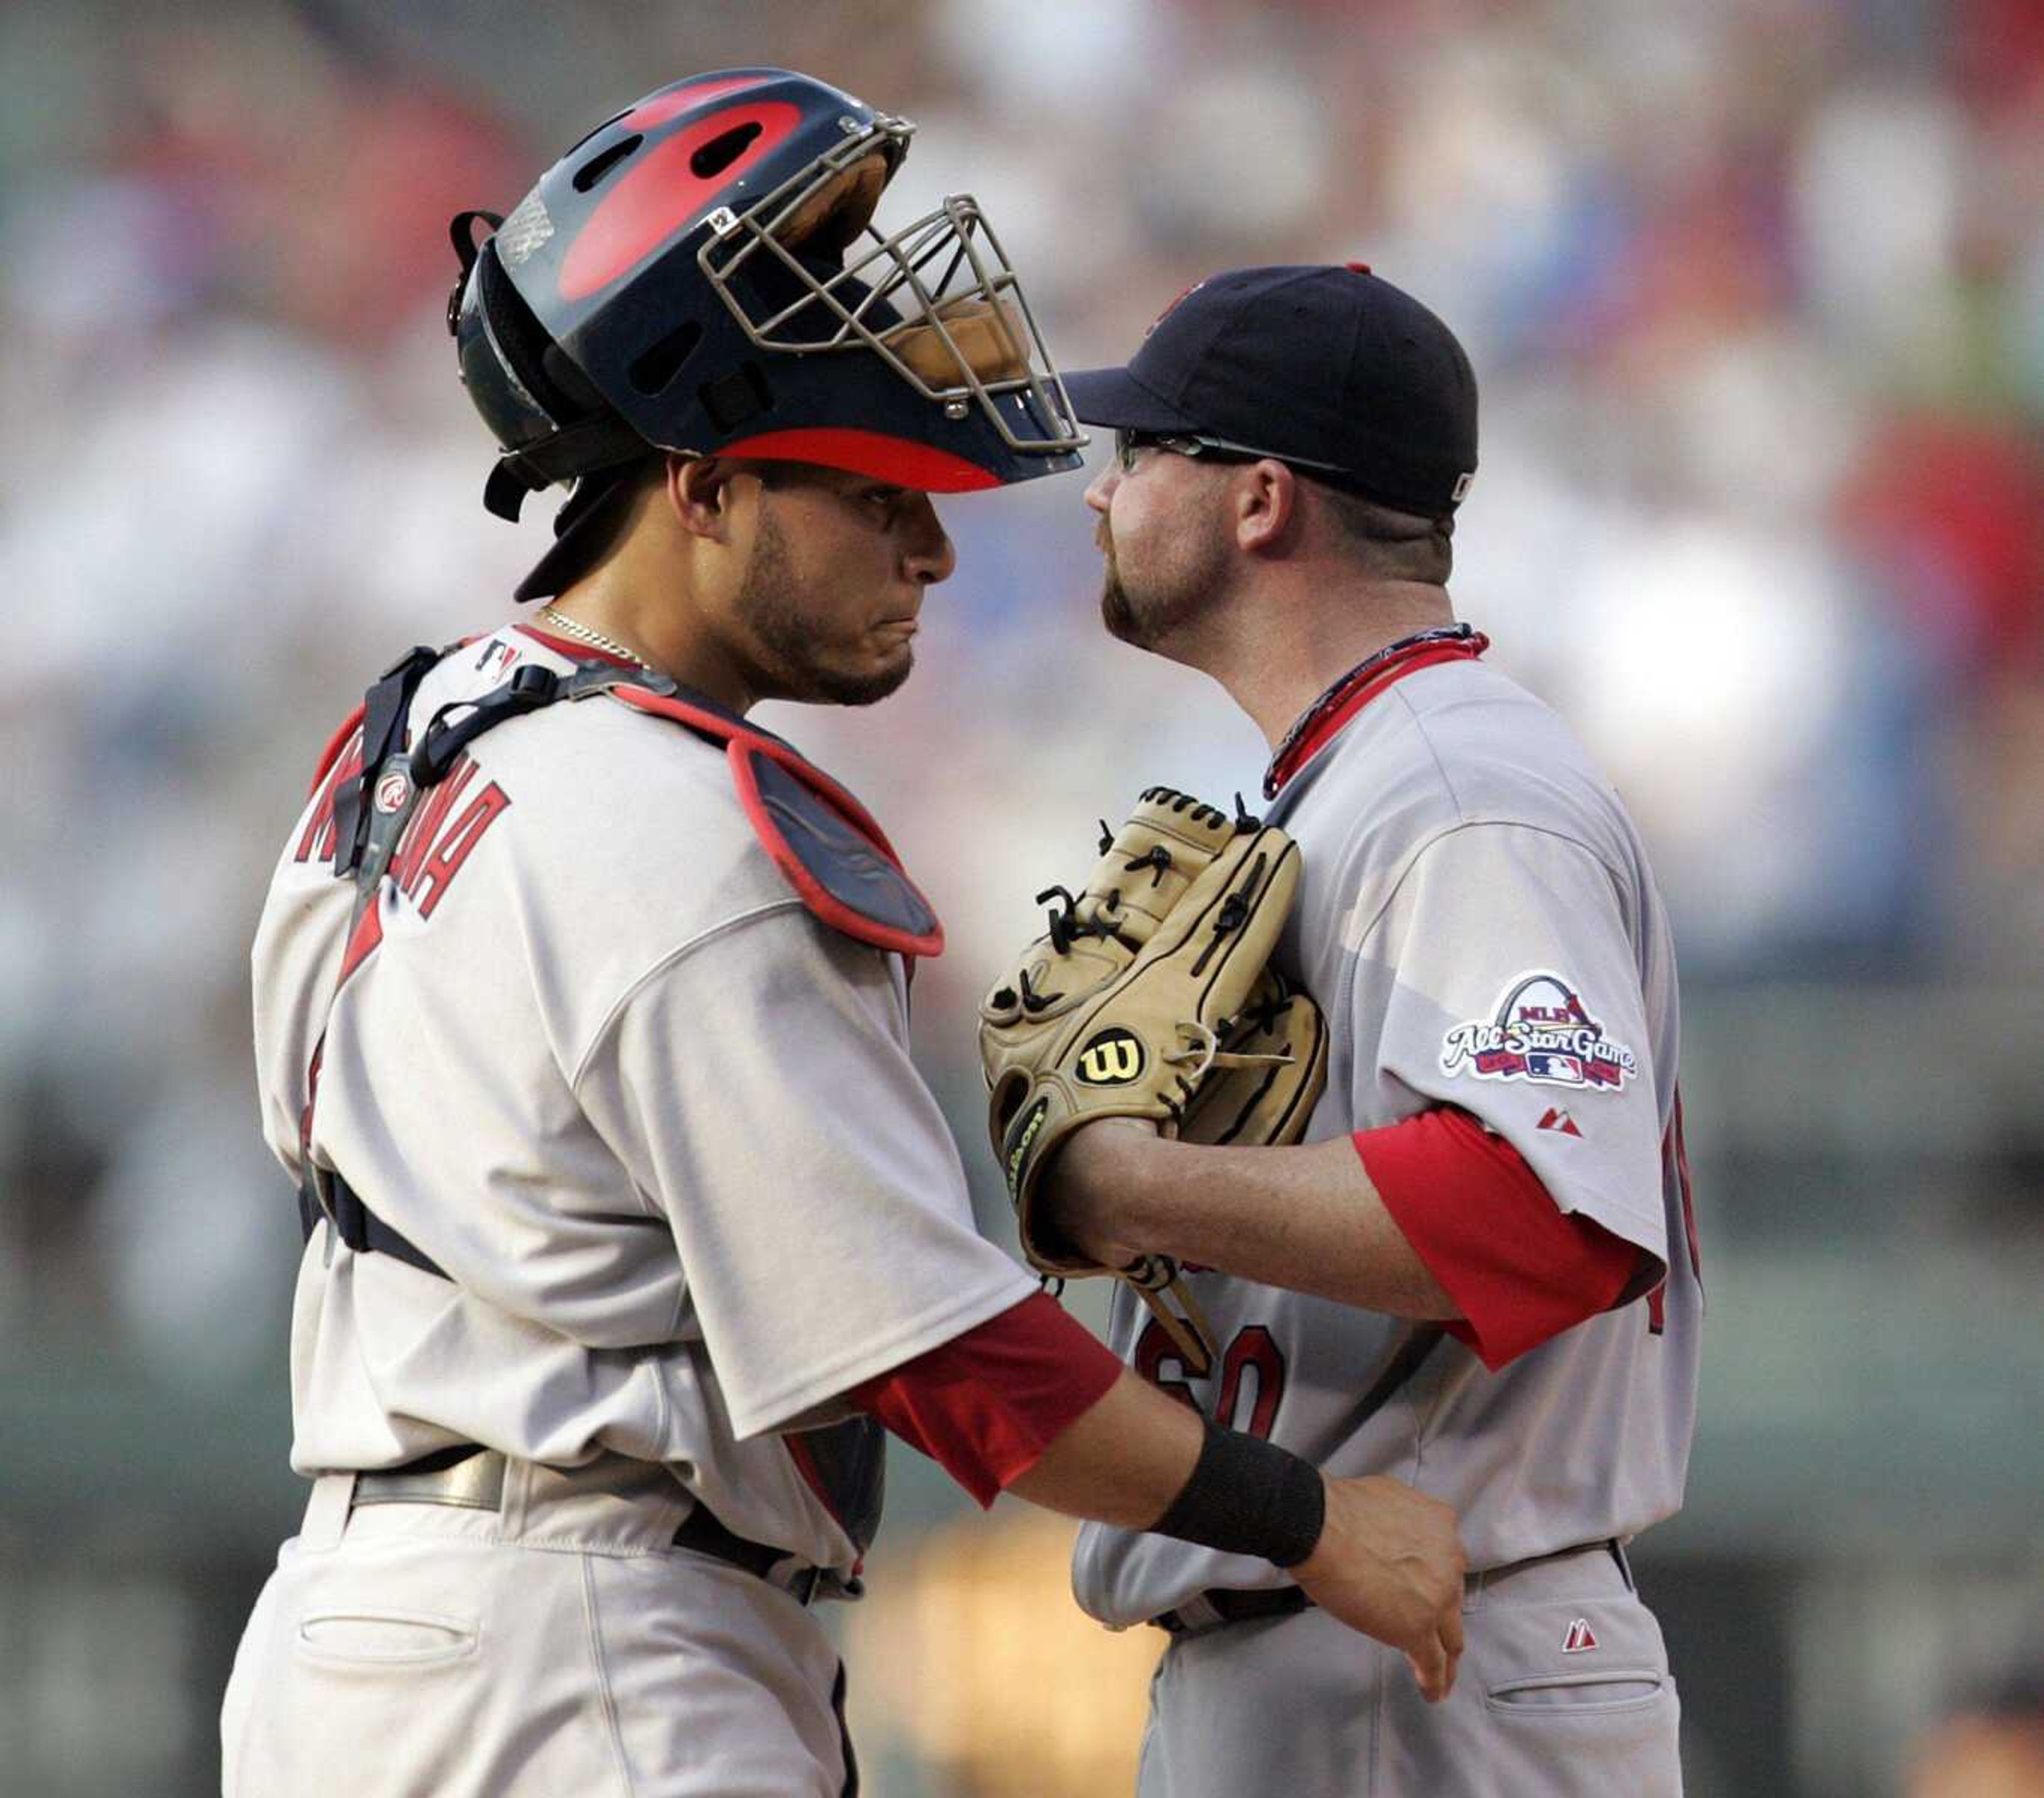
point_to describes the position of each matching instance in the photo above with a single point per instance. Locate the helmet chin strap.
(583, 448)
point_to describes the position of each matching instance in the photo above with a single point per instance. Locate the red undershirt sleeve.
(985, 1405)
(1520, 1270)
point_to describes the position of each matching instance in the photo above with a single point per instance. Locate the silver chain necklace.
(610, 646)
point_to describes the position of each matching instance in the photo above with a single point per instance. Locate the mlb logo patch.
(1541, 1031)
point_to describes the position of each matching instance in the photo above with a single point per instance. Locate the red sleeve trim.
(1520, 1270)
(985, 1405)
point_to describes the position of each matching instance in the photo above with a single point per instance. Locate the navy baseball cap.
(1326, 365)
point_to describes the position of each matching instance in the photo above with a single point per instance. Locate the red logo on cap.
(1173, 306)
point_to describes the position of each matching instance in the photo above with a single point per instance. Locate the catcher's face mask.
(936, 299)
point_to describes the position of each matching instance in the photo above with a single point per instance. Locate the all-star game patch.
(1542, 1032)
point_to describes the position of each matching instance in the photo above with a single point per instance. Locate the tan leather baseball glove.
(1149, 997)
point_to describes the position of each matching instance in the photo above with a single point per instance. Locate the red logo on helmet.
(660, 192)
(663, 106)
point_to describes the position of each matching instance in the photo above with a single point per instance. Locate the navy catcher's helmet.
(701, 274)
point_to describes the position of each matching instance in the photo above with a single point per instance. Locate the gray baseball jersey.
(656, 1121)
(1478, 920)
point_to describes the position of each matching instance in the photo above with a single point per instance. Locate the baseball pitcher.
(1478, 1270)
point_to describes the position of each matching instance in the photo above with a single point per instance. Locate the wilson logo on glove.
(1148, 998)
(1113, 1058)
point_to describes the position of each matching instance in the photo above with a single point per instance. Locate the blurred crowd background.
(1755, 291)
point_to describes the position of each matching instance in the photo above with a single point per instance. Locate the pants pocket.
(365, 1636)
(1607, 1690)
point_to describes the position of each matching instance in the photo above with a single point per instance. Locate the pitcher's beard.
(1115, 613)
(1177, 585)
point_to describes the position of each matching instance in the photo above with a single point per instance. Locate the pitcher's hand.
(1390, 1563)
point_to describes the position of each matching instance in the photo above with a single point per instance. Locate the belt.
(472, 1477)
(1212, 1609)
(701, 1532)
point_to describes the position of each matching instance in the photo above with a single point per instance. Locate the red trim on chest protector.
(575, 652)
(985, 1405)
(1323, 729)
(741, 746)
(1521, 1270)
(335, 744)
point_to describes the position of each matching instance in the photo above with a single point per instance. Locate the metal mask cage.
(943, 274)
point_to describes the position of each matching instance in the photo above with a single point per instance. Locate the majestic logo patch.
(1581, 1638)
(1558, 1118)
(1542, 1032)
(393, 790)
(1113, 1058)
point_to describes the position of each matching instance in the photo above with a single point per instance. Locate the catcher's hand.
(1148, 998)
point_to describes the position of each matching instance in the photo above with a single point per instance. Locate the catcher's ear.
(700, 490)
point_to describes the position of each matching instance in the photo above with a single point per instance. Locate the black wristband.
(1248, 1496)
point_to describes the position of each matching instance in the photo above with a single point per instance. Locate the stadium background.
(1756, 292)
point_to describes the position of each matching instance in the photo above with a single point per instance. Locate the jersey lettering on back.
(431, 853)
(316, 844)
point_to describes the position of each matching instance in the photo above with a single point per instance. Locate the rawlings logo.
(1543, 1033)
(392, 791)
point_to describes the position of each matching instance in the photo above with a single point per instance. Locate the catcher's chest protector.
(833, 853)
(822, 838)
(828, 846)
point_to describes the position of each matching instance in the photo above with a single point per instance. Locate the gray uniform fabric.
(1478, 918)
(558, 1645)
(659, 1126)
(1303, 1706)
